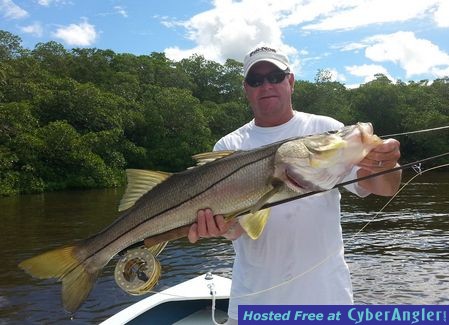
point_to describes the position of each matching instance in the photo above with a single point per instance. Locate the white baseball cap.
(265, 54)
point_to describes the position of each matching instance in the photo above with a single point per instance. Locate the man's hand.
(384, 156)
(208, 226)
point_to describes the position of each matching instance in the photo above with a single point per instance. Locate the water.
(400, 257)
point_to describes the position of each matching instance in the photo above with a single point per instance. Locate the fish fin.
(254, 223)
(139, 183)
(277, 185)
(76, 286)
(206, 157)
(62, 264)
(266, 197)
(53, 264)
(235, 214)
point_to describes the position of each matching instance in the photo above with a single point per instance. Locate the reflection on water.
(400, 257)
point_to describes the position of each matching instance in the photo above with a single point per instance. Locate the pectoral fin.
(277, 185)
(254, 223)
(254, 220)
(267, 196)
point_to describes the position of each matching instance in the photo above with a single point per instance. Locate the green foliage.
(225, 118)
(83, 106)
(68, 159)
(378, 102)
(77, 118)
(177, 128)
(211, 80)
(10, 46)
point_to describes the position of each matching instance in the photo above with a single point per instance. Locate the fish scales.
(157, 204)
(225, 185)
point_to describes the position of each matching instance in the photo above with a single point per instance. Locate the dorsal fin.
(140, 182)
(205, 157)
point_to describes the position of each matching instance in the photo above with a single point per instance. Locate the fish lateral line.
(79, 266)
(128, 211)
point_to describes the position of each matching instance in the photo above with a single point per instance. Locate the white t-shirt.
(299, 258)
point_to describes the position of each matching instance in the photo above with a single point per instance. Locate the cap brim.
(277, 63)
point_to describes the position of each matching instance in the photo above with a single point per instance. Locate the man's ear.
(291, 81)
(244, 88)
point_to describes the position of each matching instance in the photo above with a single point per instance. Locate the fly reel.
(137, 271)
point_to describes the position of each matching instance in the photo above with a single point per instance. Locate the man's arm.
(383, 157)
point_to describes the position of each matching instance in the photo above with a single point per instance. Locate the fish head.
(319, 162)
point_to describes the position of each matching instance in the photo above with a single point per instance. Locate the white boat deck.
(198, 288)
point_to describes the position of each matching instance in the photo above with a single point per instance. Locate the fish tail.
(64, 265)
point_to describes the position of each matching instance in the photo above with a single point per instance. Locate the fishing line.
(414, 132)
(416, 165)
(355, 180)
(420, 172)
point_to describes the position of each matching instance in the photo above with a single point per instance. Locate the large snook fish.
(233, 184)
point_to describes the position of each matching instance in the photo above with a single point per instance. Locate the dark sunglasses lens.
(255, 80)
(276, 77)
(272, 78)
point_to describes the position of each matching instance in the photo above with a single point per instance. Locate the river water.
(399, 256)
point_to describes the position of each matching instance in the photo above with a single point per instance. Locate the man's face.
(271, 103)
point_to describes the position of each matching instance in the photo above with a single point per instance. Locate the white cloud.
(33, 29)
(231, 28)
(416, 56)
(353, 14)
(44, 3)
(47, 3)
(121, 11)
(440, 72)
(83, 34)
(117, 10)
(368, 71)
(441, 15)
(10, 10)
(336, 76)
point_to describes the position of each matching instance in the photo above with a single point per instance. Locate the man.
(299, 258)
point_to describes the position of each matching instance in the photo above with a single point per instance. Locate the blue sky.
(354, 39)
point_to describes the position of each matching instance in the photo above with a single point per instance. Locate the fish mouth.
(293, 183)
(297, 183)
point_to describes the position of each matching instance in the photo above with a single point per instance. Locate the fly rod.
(183, 230)
(411, 164)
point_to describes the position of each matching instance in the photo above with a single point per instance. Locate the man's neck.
(275, 121)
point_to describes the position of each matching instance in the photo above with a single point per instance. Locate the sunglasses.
(257, 80)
